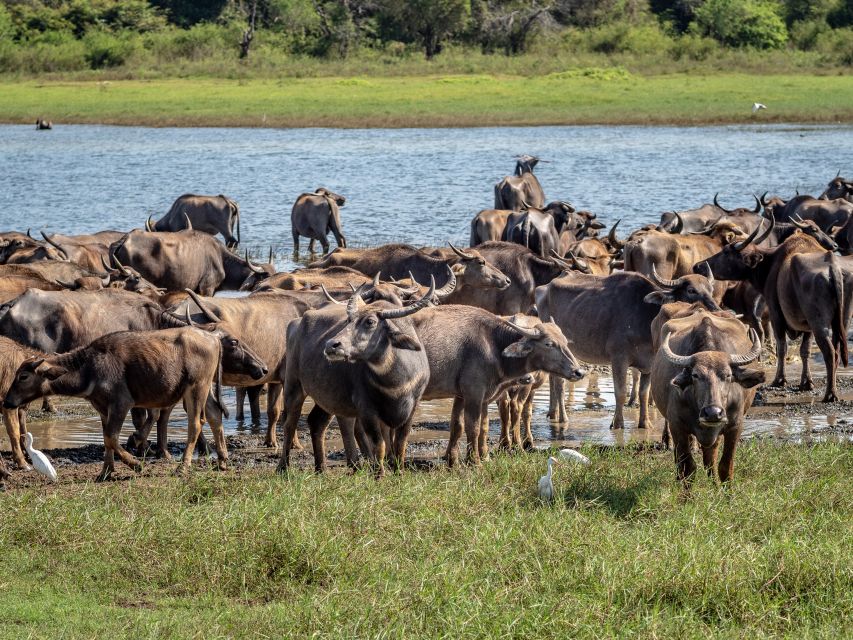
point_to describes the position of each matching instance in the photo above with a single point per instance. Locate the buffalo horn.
(121, 268)
(269, 258)
(611, 237)
(204, 308)
(718, 205)
(662, 282)
(568, 205)
(149, 226)
(66, 285)
(529, 333)
(679, 361)
(189, 226)
(757, 204)
(762, 199)
(557, 260)
(329, 295)
(424, 301)
(798, 222)
(449, 286)
(355, 302)
(55, 245)
(255, 268)
(679, 225)
(106, 266)
(29, 235)
(752, 354)
(189, 318)
(460, 253)
(739, 246)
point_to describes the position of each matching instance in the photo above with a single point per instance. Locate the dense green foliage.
(147, 36)
(465, 554)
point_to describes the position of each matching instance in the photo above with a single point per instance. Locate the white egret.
(574, 456)
(757, 106)
(546, 486)
(40, 461)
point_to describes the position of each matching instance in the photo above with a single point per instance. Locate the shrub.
(693, 47)
(622, 37)
(836, 46)
(104, 49)
(742, 23)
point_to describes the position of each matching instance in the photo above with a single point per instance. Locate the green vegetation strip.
(470, 553)
(585, 96)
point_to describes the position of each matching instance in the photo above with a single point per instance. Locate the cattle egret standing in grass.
(574, 456)
(40, 461)
(757, 106)
(546, 486)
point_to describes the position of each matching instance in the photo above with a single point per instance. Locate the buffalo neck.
(236, 271)
(504, 335)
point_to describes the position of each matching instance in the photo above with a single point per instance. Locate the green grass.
(473, 553)
(572, 97)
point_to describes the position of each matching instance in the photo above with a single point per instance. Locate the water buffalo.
(521, 190)
(361, 361)
(695, 220)
(608, 320)
(402, 261)
(187, 260)
(702, 386)
(12, 355)
(88, 250)
(488, 225)
(825, 213)
(209, 214)
(43, 125)
(329, 277)
(538, 229)
(804, 288)
(66, 274)
(22, 249)
(314, 215)
(145, 369)
(838, 187)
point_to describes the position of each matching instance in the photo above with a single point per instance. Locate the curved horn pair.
(204, 308)
(527, 333)
(253, 267)
(149, 225)
(121, 268)
(662, 282)
(798, 222)
(424, 301)
(734, 358)
(55, 246)
(448, 288)
(679, 225)
(718, 205)
(611, 237)
(739, 246)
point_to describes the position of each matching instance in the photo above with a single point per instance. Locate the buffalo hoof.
(806, 385)
(104, 475)
(137, 468)
(643, 424)
(830, 396)
(183, 471)
(222, 464)
(778, 382)
(281, 469)
(617, 424)
(163, 454)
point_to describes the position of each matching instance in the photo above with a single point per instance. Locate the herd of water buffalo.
(129, 321)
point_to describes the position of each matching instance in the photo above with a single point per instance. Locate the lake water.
(413, 185)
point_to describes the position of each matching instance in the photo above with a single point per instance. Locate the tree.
(249, 33)
(743, 23)
(428, 21)
(510, 25)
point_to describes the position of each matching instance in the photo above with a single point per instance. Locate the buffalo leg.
(645, 387)
(274, 408)
(664, 437)
(311, 245)
(373, 432)
(824, 342)
(781, 351)
(254, 394)
(727, 460)
(709, 457)
(364, 444)
(347, 427)
(472, 411)
(47, 405)
(806, 383)
(325, 244)
(240, 401)
(399, 438)
(318, 422)
(556, 405)
(684, 463)
(294, 398)
(634, 398)
(483, 439)
(213, 415)
(112, 428)
(163, 433)
(503, 403)
(526, 419)
(455, 433)
(620, 372)
(13, 429)
(295, 242)
(194, 401)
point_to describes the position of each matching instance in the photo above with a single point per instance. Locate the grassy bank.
(464, 554)
(586, 96)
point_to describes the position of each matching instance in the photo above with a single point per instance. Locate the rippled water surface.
(415, 185)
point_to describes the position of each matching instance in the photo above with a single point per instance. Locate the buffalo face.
(546, 349)
(238, 359)
(479, 273)
(32, 381)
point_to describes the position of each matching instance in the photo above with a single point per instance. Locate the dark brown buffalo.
(66, 274)
(488, 225)
(703, 387)
(591, 255)
(208, 214)
(330, 277)
(804, 288)
(838, 187)
(402, 261)
(187, 260)
(521, 190)
(695, 220)
(608, 321)
(538, 229)
(472, 352)
(22, 249)
(146, 369)
(89, 251)
(525, 271)
(12, 355)
(314, 215)
(363, 362)
(825, 213)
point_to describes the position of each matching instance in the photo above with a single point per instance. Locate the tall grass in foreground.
(470, 553)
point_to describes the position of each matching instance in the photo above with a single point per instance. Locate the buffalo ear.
(752, 259)
(683, 379)
(400, 340)
(519, 349)
(659, 297)
(748, 377)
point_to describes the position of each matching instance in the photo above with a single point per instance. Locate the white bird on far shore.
(757, 106)
(40, 461)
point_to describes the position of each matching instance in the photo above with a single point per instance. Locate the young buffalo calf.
(147, 369)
